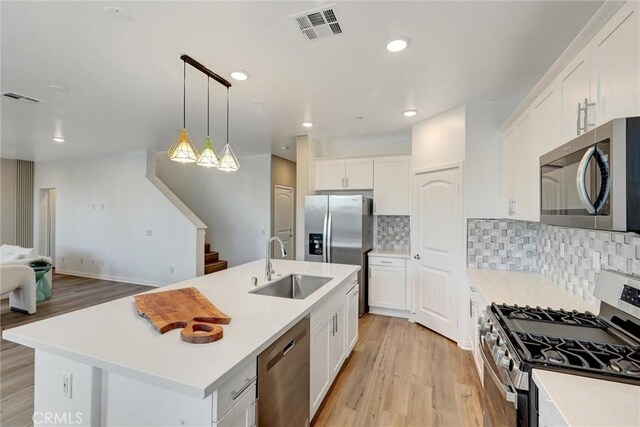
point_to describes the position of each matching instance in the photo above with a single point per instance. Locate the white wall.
(106, 209)
(439, 140)
(8, 201)
(235, 206)
(366, 145)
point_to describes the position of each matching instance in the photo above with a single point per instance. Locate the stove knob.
(491, 337)
(506, 362)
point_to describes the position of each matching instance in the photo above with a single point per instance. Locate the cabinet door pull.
(578, 120)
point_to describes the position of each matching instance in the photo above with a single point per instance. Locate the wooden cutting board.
(184, 308)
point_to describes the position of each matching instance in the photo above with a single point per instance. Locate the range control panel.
(315, 244)
(630, 295)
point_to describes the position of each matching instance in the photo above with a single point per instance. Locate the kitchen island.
(106, 365)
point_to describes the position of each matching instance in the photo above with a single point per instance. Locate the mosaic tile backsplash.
(570, 257)
(392, 232)
(500, 244)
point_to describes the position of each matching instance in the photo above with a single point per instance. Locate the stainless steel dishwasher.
(283, 379)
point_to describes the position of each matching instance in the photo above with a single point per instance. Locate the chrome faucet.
(268, 269)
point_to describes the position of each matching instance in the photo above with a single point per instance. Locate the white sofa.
(19, 283)
(16, 255)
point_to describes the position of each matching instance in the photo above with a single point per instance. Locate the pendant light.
(208, 157)
(182, 149)
(228, 160)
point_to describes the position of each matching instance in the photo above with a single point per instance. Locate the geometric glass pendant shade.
(228, 160)
(182, 149)
(208, 158)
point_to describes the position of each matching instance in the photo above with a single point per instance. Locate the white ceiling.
(125, 78)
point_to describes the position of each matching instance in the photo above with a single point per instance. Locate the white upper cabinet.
(359, 174)
(547, 121)
(574, 89)
(391, 186)
(615, 66)
(509, 170)
(350, 174)
(330, 174)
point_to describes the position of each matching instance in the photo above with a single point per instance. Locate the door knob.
(417, 256)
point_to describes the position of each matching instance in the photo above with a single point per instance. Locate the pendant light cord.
(227, 115)
(208, 133)
(184, 95)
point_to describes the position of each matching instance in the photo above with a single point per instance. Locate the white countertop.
(390, 253)
(521, 288)
(584, 401)
(113, 336)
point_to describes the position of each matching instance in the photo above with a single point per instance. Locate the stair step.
(216, 266)
(210, 257)
(207, 248)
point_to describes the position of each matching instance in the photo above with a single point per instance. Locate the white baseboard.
(110, 278)
(404, 314)
(465, 345)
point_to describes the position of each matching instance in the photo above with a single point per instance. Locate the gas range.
(517, 339)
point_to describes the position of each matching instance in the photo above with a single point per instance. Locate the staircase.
(211, 261)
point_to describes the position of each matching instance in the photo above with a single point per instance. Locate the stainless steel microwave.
(594, 180)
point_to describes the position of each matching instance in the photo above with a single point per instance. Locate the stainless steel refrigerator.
(339, 230)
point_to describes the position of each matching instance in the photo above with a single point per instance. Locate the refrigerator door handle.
(325, 236)
(328, 238)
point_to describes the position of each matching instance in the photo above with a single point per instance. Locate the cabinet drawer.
(387, 262)
(243, 414)
(229, 393)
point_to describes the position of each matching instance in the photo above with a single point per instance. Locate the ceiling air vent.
(318, 23)
(19, 97)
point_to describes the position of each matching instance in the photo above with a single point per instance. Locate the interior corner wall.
(235, 206)
(302, 186)
(113, 223)
(8, 201)
(439, 140)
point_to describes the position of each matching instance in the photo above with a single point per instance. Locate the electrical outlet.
(67, 383)
(81, 260)
(172, 270)
(149, 232)
(102, 262)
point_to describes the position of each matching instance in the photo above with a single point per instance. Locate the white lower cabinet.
(320, 369)
(477, 314)
(387, 283)
(352, 317)
(243, 414)
(338, 339)
(334, 332)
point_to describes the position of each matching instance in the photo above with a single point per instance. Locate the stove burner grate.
(550, 315)
(584, 355)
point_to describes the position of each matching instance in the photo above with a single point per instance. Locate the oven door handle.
(581, 180)
(507, 392)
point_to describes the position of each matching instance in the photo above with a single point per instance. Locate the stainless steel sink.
(293, 286)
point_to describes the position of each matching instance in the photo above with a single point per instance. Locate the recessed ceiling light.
(58, 139)
(239, 75)
(59, 88)
(397, 44)
(307, 124)
(409, 113)
(284, 147)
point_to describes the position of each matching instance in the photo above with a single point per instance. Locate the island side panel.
(66, 392)
(130, 402)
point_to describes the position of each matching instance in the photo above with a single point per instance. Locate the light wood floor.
(402, 374)
(399, 374)
(16, 362)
